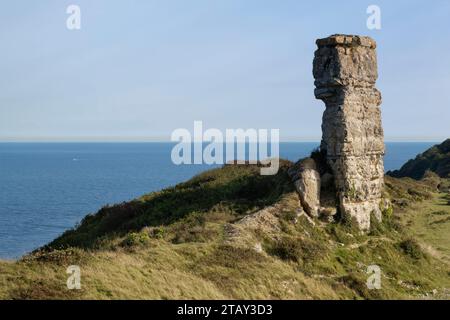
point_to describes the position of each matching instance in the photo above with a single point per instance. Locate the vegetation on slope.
(232, 233)
(436, 159)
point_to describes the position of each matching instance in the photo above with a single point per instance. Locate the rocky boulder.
(306, 178)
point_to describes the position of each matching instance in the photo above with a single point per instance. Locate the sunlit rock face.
(345, 72)
(306, 178)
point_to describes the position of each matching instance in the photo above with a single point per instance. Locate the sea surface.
(46, 188)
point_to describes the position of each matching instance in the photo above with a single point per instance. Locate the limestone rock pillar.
(345, 72)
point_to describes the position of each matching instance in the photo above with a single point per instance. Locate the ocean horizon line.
(389, 140)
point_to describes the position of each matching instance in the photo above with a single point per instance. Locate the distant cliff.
(435, 159)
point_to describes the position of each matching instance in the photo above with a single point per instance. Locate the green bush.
(158, 233)
(289, 216)
(65, 256)
(297, 249)
(192, 228)
(411, 248)
(136, 238)
(233, 257)
(377, 227)
(339, 233)
(350, 224)
(388, 212)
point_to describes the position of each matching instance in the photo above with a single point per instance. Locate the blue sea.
(46, 188)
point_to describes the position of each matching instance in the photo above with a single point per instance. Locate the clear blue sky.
(140, 69)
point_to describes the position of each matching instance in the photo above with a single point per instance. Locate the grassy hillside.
(232, 233)
(436, 159)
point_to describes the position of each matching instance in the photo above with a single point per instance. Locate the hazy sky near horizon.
(140, 69)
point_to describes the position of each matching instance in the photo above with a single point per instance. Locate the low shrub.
(158, 233)
(193, 228)
(136, 238)
(66, 256)
(234, 257)
(411, 248)
(297, 249)
(440, 213)
(359, 285)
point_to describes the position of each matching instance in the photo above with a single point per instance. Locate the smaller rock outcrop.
(314, 184)
(306, 178)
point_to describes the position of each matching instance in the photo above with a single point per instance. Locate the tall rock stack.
(345, 72)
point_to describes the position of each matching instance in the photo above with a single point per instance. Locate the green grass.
(190, 242)
(429, 222)
(240, 190)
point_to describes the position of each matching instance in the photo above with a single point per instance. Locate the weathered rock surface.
(306, 179)
(345, 72)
